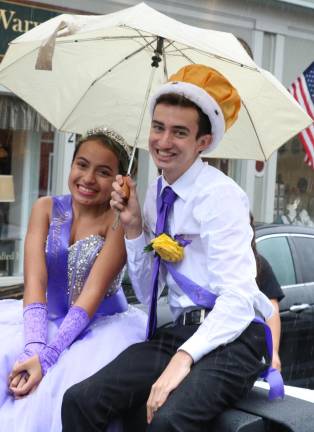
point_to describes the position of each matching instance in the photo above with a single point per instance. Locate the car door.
(303, 251)
(291, 267)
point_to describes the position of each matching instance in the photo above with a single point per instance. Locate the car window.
(277, 252)
(305, 252)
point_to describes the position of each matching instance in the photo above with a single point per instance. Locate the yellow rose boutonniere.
(166, 247)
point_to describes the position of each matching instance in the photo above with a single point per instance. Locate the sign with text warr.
(18, 18)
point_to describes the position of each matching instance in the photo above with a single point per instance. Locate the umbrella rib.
(142, 36)
(211, 55)
(183, 55)
(163, 53)
(122, 60)
(252, 123)
(101, 76)
(60, 42)
(87, 40)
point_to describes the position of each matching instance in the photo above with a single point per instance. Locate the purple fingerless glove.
(35, 329)
(73, 324)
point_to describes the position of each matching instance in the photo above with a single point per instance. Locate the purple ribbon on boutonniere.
(181, 240)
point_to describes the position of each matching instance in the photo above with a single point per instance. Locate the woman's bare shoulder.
(42, 206)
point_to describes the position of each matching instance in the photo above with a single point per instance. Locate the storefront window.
(294, 193)
(6, 198)
(221, 164)
(46, 159)
(25, 174)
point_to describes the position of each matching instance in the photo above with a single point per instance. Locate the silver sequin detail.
(112, 134)
(82, 255)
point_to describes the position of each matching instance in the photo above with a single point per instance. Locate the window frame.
(292, 251)
(297, 258)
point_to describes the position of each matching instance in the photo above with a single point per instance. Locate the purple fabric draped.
(271, 375)
(164, 204)
(198, 295)
(202, 297)
(57, 256)
(57, 264)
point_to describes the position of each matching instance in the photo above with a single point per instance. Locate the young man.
(212, 354)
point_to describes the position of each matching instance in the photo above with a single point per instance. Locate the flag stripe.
(300, 93)
(305, 97)
(309, 137)
(302, 90)
(306, 138)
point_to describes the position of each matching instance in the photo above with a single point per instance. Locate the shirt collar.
(182, 185)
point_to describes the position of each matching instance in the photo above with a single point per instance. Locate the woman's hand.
(25, 377)
(18, 382)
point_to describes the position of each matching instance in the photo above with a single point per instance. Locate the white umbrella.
(102, 74)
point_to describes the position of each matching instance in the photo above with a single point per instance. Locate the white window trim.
(7, 281)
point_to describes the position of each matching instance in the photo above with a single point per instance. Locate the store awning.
(18, 115)
(302, 3)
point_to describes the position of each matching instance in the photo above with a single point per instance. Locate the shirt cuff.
(195, 347)
(135, 247)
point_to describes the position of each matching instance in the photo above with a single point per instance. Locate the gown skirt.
(102, 341)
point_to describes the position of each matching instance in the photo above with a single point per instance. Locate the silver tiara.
(112, 134)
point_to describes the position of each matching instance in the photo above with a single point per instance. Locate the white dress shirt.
(213, 212)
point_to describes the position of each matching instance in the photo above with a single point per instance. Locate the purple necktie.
(164, 205)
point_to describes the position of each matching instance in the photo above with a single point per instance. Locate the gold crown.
(112, 134)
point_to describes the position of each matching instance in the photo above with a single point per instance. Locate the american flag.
(303, 91)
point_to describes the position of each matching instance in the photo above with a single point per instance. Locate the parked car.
(290, 251)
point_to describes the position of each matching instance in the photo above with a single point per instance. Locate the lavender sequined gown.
(103, 340)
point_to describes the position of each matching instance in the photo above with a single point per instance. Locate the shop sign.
(17, 18)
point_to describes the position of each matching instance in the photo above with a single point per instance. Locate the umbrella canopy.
(101, 73)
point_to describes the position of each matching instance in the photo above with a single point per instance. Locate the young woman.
(76, 318)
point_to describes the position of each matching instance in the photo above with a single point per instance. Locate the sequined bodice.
(82, 255)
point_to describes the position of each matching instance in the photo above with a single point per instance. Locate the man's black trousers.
(214, 383)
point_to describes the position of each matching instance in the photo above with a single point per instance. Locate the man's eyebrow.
(177, 127)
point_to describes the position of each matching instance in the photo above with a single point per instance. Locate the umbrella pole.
(156, 59)
(140, 123)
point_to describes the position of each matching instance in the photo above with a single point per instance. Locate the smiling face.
(172, 140)
(92, 172)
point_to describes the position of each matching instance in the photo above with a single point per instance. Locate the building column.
(25, 169)
(64, 144)
(269, 181)
(243, 173)
(244, 170)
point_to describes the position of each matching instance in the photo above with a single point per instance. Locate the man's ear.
(204, 142)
